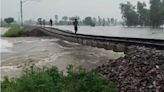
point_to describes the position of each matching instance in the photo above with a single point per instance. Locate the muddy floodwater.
(49, 51)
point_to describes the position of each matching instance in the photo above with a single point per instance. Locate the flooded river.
(47, 51)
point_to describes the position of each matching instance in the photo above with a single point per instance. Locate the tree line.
(140, 15)
(65, 20)
(6, 22)
(89, 21)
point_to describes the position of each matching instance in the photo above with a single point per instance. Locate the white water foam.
(4, 46)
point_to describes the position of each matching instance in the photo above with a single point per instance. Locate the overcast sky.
(48, 8)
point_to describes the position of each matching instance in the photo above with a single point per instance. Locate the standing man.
(75, 23)
(51, 22)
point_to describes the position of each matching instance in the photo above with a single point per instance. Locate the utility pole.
(21, 11)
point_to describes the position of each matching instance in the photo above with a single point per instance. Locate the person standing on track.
(51, 22)
(75, 23)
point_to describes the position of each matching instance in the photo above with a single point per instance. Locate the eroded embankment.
(139, 71)
(30, 31)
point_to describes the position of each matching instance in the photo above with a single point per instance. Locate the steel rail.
(153, 43)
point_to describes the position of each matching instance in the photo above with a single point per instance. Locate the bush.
(51, 80)
(9, 20)
(14, 31)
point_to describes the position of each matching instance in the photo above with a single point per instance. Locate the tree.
(9, 20)
(65, 18)
(71, 19)
(129, 14)
(39, 21)
(103, 22)
(56, 19)
(115, 22)
(109, 22)
(99, 20)
(162, 10)
(144, 17)
(112, 21)
(94, 20)
(143, 14)
(155, 13)
(89, 21)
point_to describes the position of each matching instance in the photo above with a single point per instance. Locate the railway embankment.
(141, 70)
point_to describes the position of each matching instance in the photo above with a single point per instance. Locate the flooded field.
(118, 31)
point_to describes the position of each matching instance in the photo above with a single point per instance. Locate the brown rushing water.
(46, 51)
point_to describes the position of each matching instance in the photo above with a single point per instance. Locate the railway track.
(152, 43)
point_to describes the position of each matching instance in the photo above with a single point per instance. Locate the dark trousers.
(75, 29)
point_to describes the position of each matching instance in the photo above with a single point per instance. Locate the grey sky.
(48, 8)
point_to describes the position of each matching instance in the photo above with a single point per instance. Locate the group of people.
(75, 24)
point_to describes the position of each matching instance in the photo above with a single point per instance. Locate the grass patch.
(14, 31)
(51, 80)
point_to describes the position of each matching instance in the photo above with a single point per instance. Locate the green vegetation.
(89, 21)
(14, 31)
(156, 9)
(129, 15)
(51, 80)
(142, 16)
(9, 20)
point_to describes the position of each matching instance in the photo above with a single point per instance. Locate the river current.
(17, 52)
